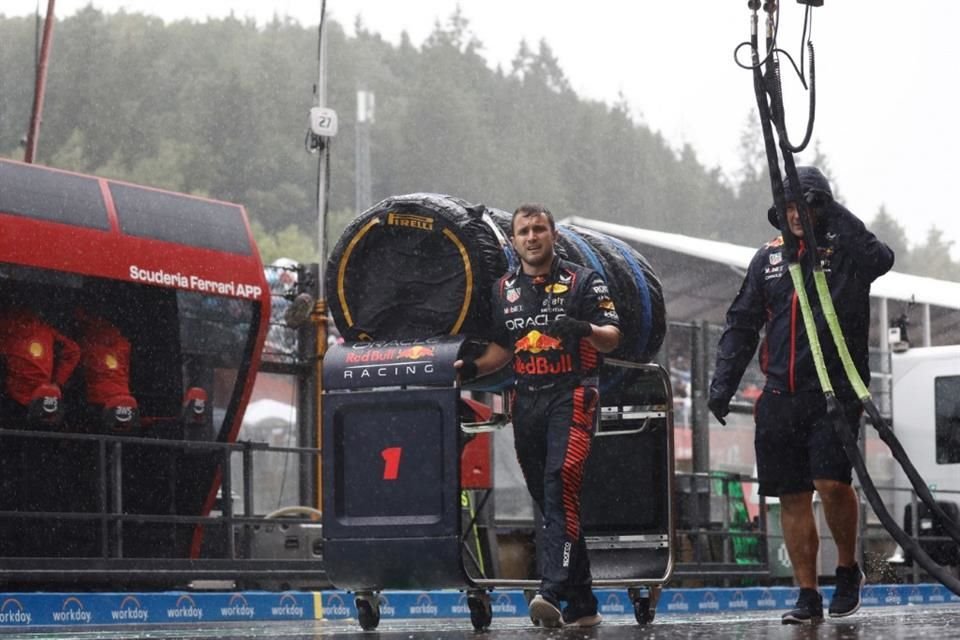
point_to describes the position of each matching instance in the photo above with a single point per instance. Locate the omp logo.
(709, 602)
(237, 607)
(738, 600)
(288, 606)
(461, 606)
(72, 610)
(185, 608)
(335, 606)
(408, 220)
(613, 604)
(893, 596)
(130, 611)
(387, 609)
(870, 596)
(504, 605)
(12, 613)
(424, 606)
(767, 601)
(678, 603)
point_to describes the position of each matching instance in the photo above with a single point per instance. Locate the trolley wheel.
(481, 610)
(644, 603)
(642, 611)
(368, 610)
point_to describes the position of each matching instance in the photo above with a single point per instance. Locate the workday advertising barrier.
(35, 610)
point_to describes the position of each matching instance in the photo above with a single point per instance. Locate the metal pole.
(362, 180)
(41, 83)
(699, 382)
(324, 159)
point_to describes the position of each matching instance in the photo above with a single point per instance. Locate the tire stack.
(416, 266)
(420, 265)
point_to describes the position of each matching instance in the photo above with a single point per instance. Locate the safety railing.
(716, 536)
(228, 548)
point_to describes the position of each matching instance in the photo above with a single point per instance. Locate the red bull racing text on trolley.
(389, 360)
(128, 313)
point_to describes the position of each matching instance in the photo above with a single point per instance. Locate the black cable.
(906, 541)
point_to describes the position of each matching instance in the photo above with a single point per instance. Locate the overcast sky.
(886, 102)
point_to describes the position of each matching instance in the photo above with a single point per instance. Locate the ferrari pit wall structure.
(133, 324)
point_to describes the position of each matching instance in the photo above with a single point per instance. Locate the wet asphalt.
(875, 623)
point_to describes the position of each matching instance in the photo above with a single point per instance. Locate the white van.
(926, 421)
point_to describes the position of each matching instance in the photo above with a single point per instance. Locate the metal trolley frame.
(391, 446)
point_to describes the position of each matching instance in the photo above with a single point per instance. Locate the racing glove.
(568, 327)
(719, 407)
(468, 370)
(818, 199)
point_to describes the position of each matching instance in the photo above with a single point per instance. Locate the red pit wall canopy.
(91, 226)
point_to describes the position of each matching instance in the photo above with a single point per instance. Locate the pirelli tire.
(637, 293)
(415, 266)
(634, 287)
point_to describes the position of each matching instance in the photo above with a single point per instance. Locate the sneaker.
(545, 611)
(809, 609)
(576, 617)
(846, 597)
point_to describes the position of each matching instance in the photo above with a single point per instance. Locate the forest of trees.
(219, 108)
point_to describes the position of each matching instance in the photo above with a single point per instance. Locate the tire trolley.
(391, 483)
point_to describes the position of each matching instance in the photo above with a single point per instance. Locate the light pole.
(364, 182)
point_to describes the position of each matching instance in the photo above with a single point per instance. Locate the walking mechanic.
(797, 449)
(553, 318)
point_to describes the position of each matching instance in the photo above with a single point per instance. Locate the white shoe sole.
(585, 621)
(544, 613)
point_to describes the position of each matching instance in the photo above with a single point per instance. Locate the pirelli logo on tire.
(424, 223)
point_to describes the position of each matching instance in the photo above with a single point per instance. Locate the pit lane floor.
(887, 623)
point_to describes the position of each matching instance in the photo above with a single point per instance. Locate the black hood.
(810, 178)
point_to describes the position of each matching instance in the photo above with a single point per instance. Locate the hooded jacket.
(851, 258)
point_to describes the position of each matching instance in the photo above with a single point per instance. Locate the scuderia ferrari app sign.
(194, 283)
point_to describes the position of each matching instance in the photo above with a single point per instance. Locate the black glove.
(719, 407)
(567, 327)
(468, 370)
(817, 199)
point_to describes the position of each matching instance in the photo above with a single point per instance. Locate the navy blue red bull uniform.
(795, 442)
(34, 354)
(554, 409)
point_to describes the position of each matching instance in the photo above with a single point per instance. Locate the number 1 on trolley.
(391, 459)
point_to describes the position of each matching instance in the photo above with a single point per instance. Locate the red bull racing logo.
(535, 342)
(529, 363)
(388, 361)
(416, 352)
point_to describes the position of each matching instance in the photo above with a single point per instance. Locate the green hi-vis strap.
(830, 313)
(796, 275)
